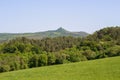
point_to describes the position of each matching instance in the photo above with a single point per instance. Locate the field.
(102, 69)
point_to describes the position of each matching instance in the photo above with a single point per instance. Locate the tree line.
(22, 53)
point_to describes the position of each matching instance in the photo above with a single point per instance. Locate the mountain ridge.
(38, 35)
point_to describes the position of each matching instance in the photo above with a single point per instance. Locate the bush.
(42, 60)
(113, 51)
(51, 58)
(76, 57)
(33, 61)
(4, 68)
(59, 58)
(89, 54)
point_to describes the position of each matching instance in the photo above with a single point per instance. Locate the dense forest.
(22, 53)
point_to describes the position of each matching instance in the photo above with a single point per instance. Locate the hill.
(102, 69)
(38, 35)
(23, 53)
(106, 34)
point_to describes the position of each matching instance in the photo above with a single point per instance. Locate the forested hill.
(22, 53)
(38, 35)
(106, 34)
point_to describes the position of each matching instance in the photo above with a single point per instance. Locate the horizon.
(51, 30)
(46, 30)
(26, 16)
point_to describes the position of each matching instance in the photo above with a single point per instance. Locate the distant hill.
(38, 35)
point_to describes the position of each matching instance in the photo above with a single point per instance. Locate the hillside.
(22, 53)
(38, 35)
(102, 69)
(106, 34)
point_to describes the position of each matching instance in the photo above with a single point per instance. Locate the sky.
(19, 16)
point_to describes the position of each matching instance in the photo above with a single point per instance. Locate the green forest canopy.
(21, 53)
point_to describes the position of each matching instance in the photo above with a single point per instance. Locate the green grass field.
(102, 69)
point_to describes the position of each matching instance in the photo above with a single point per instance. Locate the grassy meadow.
(101, 69)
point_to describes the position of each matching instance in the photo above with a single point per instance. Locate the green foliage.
(42, 60)
(36, 50)
(113, 51)
(11, 62)
(106, 34)
(58, 43)
(102, 69)
(4, 68)
(28, 53)
(21, 47)
(51, 58)
(89, 54)
(59, 58)
(33, 62)
(9, 49)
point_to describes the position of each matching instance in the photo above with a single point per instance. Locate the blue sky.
(18, 16)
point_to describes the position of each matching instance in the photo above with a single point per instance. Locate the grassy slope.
(102, 69)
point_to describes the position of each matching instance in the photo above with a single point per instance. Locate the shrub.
(89, 54)
(4, 68)
(42, 60)
(51, 58)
